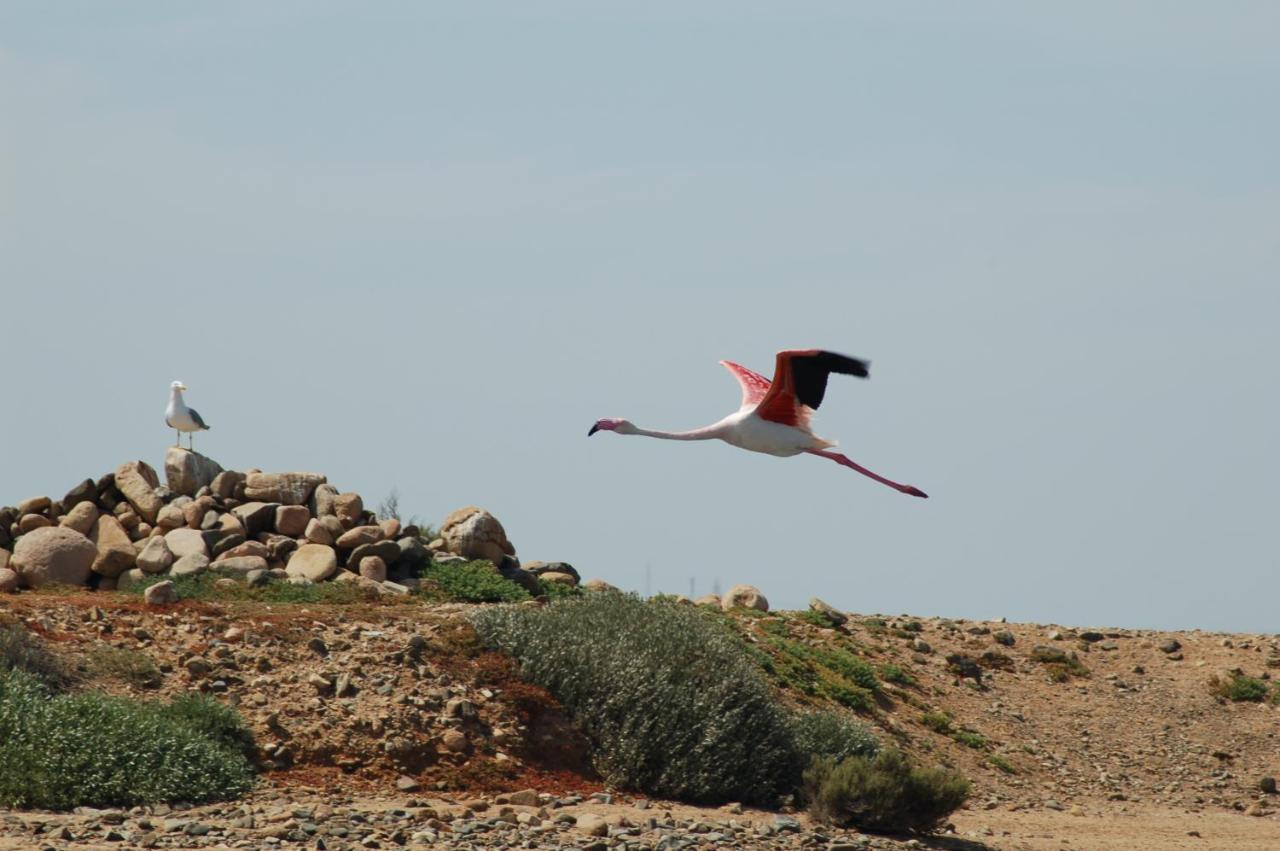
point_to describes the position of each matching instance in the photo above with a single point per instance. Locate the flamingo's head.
(177, 385)
(612, 424)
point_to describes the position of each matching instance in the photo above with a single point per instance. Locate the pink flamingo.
(774, 417)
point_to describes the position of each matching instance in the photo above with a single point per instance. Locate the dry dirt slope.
(1133, 752)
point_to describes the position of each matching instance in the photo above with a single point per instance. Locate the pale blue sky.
(425, 246)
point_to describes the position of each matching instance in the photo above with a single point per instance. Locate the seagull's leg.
(178, 437)
(844, 461)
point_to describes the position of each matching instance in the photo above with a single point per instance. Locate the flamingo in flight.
(774, 417)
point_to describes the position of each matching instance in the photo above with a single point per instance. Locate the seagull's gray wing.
(195, 416)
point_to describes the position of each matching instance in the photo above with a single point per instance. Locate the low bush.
(831, 735)
(884, 793)
(894, 674)
(119, 663)
(1239, 687)
(89, 749)
(558, 590)
(669, 699)
(474, 582)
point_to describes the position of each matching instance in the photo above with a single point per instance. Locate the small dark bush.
(88, 749)
(1239, 687)
(671, 702)
(211, 719)
(558, 590)
(938, 722)
(831, 735)
(970, 739)
(475, 582)
(884, 793)
(894, 674)
(21, 650)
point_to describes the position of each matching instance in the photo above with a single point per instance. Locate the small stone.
(1003, 637)
(1268, 785)
(242, 550)
(319, 683)
(372, 567)
(557, 578)
(241, 565)
(1170, 646)
(8, 578)
(160, 594)
(255, 517)
(358, 536)
(592, 825)
(405, 783)
(455, 741)
(34, 505)
(171, 517)
(292, 520)
(137, 481)
(184, 542)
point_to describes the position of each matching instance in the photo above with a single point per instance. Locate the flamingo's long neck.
(711, 432)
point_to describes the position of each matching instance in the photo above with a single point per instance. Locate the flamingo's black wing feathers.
(810, 370)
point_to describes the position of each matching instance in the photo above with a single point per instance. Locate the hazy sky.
(424, 246)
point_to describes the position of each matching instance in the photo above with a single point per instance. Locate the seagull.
(774, 417)
(180, 418)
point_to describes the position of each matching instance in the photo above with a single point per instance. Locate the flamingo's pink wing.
(754, 385)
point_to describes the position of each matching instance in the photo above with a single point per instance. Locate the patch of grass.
(59, 751)
(822, 671)
(1001, 763)
(1239, 687)
(884, 793)
(118, 663)
(1058, 664)
(818, 619)
(893, 674)
(970, 739)
(474, 582)
(22, 650)
(203, 586)
(938, 722)
(666, 694)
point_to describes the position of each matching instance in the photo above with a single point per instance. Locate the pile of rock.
(252, 525)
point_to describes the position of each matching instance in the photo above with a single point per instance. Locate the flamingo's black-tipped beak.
(914, 491)
(595, 428)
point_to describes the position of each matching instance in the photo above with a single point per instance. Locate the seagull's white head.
(177, 385)
(613, 424)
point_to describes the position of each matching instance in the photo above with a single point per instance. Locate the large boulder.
(86, 491)
(284, 488)
(474, 533)
(744, 597)
(138, 482)
(54, 554)
(81, 518)
(224, 484)
(292, 520)
(116, 553)
(313, 561)
(349, 508)
(186, 472)
(256, 517)
(358, 536)
(323, 501)
(155, 557)
(185, 542)
(9, 580)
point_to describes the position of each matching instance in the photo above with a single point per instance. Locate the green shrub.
(894, 674)
(211, 719)
(475, 582)
(21, 650)
(884, 793)
(831, 735)
(970, 739)
(671, 702)
(819, 619)
(1058, 664)
(558, 590)
(1239, 687)
(1002, 764)
(89, 749)
(938, 722)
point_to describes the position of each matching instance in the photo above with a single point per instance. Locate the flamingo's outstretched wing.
(800, 382)
(754, 385)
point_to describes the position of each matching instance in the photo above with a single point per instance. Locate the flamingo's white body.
(774, 417)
